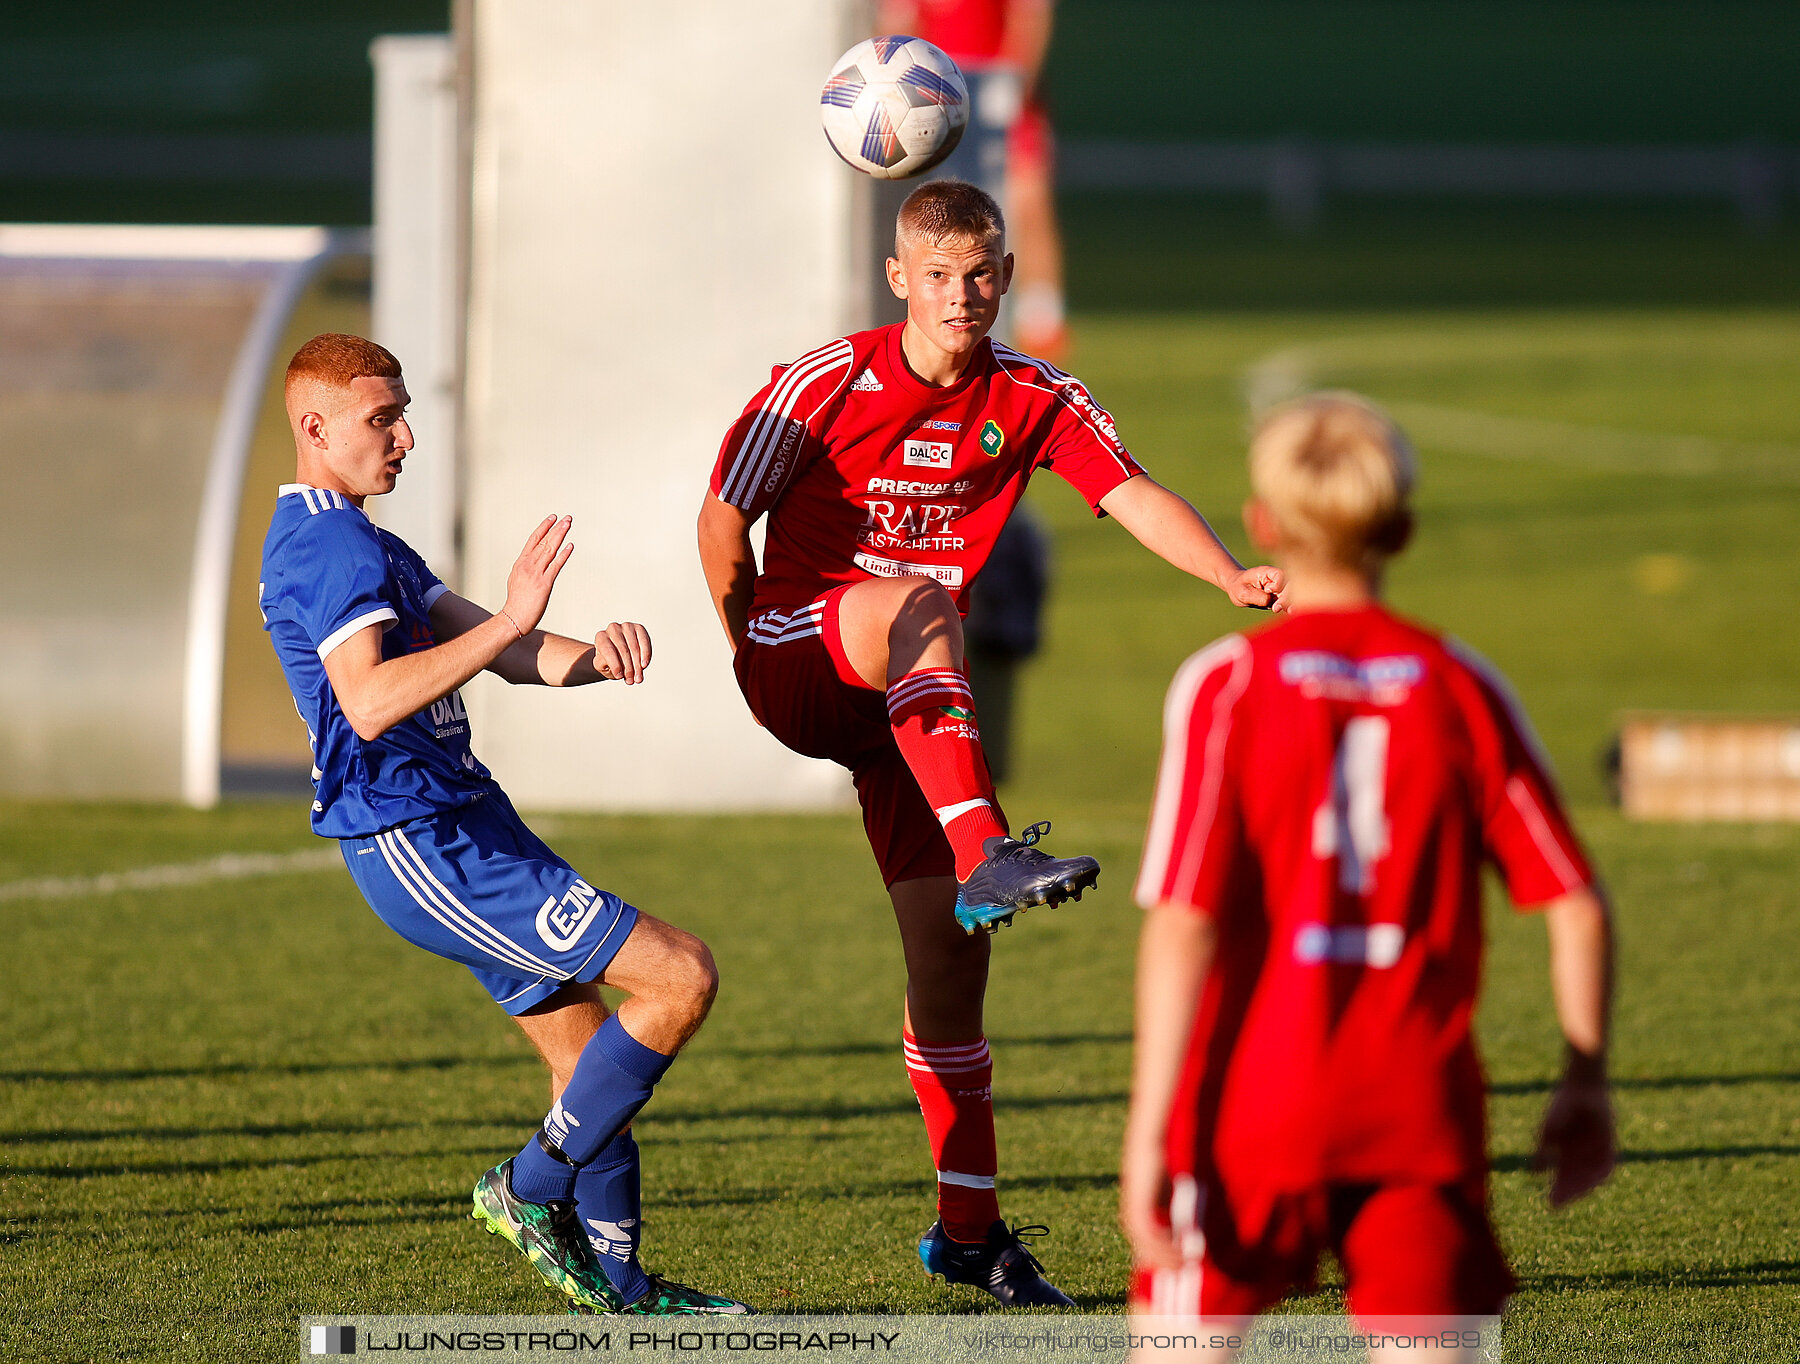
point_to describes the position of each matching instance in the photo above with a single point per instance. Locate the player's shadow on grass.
(655, 1117)
(1515, 1164)
(225, 1166)
(53, 1136)
(225, 1070)
(1759, 1273)
(1547, 1085)
(887, 1047)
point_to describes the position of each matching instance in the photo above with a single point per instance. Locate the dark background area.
(200, 111)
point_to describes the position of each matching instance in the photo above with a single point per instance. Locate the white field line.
(1290, 373)
(225, 867)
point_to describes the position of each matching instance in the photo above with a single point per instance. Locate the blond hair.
(1337, 475)
(941, 211)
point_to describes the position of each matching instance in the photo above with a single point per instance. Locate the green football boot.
(667, 1298)
(548, 1235)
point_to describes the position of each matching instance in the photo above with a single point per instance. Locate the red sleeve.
(778, 432)
(1084, 446)
(1195, 846)
(1525, 829)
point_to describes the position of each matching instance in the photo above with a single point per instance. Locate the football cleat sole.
(1060, 893)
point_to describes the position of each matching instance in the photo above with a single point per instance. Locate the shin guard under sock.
(612, 1081)
(933, 715)
(607, 1202)
(954, 1083)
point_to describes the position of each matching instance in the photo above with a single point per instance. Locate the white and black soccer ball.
(894, 107)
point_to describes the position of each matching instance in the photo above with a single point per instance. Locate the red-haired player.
(1331, 787)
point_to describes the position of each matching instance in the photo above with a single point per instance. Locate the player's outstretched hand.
(1143, 1204)
(1261, 588)
(534, 573)
(622, 652)
(1576, 1142)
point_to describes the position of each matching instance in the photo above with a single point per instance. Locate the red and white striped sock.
(933, 715)
(955, 1085)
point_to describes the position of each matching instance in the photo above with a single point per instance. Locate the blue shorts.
(475, 885)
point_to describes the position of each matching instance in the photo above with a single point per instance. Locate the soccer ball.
(894, 107)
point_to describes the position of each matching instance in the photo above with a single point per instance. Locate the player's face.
(952, 289)
(368, 438)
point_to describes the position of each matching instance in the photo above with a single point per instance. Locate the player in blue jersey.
(374, 648)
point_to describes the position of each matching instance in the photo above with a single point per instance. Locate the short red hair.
(336, 358)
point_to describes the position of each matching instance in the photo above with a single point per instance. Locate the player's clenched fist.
(1261, 588)
(622, 652)
(528, 586)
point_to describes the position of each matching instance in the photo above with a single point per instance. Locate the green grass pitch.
(229, 1105)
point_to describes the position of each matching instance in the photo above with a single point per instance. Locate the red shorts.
(1408, 1250)
(800, 685)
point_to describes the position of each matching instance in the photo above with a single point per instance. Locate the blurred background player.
(1000, 46)
(1306, 1079)
(887, 463)
(1004, 628)
(375, 649)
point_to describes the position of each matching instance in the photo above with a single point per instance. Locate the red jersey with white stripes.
(865, 471)
(1330, 790)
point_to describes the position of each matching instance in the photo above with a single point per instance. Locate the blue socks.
(606, 1200)
(612, 1081)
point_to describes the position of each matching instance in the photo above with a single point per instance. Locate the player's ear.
(312, 426)
(1259, 521)
(896, 277)
(1006, 272)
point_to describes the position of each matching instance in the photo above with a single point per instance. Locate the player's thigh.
(659, 960)
(896, 625)
(476, 886)
(1420, 1250)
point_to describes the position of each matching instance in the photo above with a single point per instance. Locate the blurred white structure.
(132, 368)
(655, 219)
(418, 283)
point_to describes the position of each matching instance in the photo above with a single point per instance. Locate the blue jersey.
(328, 572)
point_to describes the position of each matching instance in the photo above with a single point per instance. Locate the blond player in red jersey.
(1306, 1078)
(887, 463)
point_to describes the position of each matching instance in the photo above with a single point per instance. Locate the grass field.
(229, 1105)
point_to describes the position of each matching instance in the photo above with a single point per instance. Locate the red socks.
(933, 714)
(954, 1082)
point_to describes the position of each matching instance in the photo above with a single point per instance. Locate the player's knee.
(694, 978)
(927, 612)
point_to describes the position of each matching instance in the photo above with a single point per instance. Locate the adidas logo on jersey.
(866, 382)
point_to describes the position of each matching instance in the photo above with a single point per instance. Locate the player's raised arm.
(376, 694)
(619, 653)
(1168, 526)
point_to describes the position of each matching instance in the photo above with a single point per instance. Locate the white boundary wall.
(656, 219)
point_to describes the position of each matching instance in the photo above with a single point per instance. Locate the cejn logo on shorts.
(560, 923)
(950, 575)
(929, 454)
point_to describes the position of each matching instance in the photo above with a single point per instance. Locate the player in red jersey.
(1306, 1078)
(887, 463)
